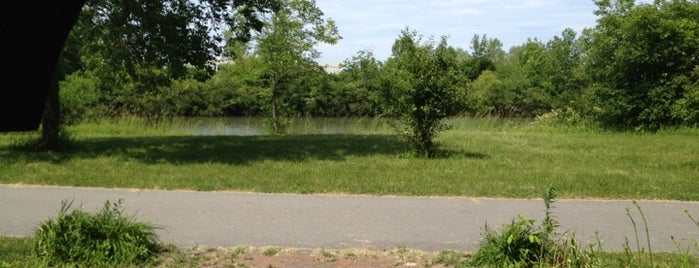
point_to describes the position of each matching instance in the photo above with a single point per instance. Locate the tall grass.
(103, 239)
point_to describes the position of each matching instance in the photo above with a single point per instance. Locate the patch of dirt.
(276, 257)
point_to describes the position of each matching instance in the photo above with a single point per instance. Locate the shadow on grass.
(220, 149)
(446, 153)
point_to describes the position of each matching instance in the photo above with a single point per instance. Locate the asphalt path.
(227, 219)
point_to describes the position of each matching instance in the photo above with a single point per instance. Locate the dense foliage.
(645, 63)
(125, 55)
(636, 69)
(421, 87)
(104, 239)
(285, 47)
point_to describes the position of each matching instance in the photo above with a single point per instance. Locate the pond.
(254, 126)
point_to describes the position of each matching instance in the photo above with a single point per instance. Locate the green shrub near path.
(103, 239)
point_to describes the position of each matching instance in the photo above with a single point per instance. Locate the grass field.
(486, 157)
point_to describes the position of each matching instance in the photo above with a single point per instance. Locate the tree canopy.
(635, 69)
(286, 44)
(422, 87)
(644, 60)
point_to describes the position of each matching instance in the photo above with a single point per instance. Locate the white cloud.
(374, 25)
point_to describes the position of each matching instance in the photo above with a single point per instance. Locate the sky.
(373, 25)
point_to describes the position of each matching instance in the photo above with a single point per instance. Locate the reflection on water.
(229, 130)
(254, 126)
(221, 126)
(245, 126)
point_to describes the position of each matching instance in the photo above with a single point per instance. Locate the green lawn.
(486, 157)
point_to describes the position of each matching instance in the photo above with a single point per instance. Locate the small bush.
(567, 117)
(106, 238)
(524, 244)
(517, 244)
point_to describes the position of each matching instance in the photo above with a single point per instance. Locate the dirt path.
(308, 258)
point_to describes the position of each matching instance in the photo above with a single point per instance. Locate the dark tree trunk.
(50, 121)
(31, 47)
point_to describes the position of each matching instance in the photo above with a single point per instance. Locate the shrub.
(421, 86)
(518, 244)
(106, 238)
(79, 97)
(646, 77)
(567, 117)
(524, 244)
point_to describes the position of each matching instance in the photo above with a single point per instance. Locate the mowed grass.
(484, 157)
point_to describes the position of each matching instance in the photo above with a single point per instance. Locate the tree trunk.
(30, 55)
(50, 119)
(275, 120)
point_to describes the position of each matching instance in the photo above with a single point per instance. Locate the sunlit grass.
(16, 252)
(488, 157)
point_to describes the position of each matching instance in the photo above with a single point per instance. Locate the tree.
(643, 59)
(240, 88)
(551, 75)
(485, 53)
(286, 44)
(360, 78)
(146, 43)
(486, 95)
(563, 76)
(422, 85)
(30, 56)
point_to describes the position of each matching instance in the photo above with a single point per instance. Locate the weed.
(524, 244)
(238, 251)
(639, 250)
(520, 243)
(402, 250)
(696, 222)
(405, 255)
(351, 256)
(271, 251)
(451, 258)
(516, 244)
(685, 253)
(77, 238)
(326, 256)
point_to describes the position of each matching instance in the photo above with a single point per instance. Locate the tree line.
(637, 68)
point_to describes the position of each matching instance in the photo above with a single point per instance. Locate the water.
(253, 126)
(228, 126)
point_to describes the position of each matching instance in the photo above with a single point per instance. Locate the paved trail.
(326, 221)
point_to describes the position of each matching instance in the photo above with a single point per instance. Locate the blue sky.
(374, 24)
